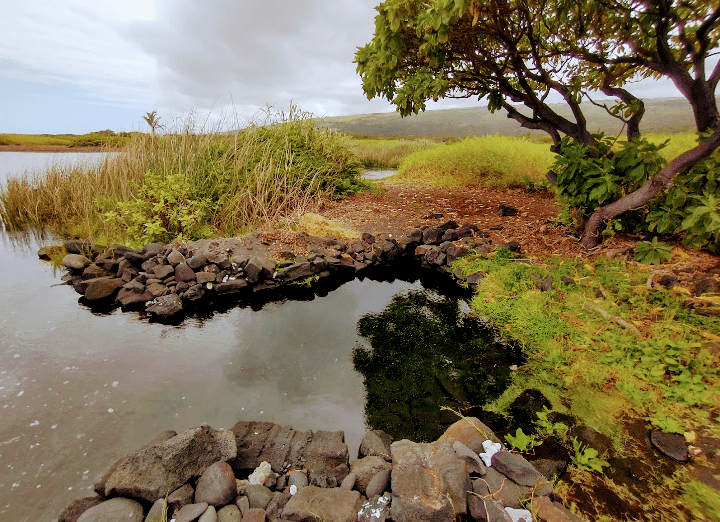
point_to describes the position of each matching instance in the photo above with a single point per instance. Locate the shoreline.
(52, 148)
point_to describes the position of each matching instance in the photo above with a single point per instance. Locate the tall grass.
(190, 183)
(388, 153)
(679, 143)
(490, 160)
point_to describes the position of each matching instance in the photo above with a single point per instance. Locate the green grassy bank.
(106, 138)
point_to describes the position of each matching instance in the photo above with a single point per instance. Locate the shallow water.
(78, 389)
(378, 174)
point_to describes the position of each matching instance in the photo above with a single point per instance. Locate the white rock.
(261, 473)
(517, 514)
(491, 448)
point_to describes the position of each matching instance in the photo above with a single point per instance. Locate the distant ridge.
(662, 115)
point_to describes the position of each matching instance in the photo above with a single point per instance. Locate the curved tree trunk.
(653, 187)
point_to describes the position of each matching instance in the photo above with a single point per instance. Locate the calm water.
(78, 389)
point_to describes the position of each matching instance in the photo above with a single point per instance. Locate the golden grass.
(316, 225)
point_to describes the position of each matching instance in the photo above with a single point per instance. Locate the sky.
(76, 66)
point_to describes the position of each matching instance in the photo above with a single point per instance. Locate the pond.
(79, 389)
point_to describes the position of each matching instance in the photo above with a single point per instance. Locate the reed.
(190, 182)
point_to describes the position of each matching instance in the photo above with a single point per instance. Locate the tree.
(521, 51)
(152, 119)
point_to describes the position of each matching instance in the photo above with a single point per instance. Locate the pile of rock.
(167, 280)
(262, 471)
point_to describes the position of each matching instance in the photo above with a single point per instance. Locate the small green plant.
(666, 424)
(522, 442)
(552, 429)
(587, 458)
(306, 282)
(652, 252)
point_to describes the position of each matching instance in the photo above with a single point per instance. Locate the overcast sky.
(75, 66)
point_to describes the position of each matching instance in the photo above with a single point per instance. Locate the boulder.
(258, 495)
(216, 485)
(196, 261)
(429, 482)
(526, 406)
(296, 271)
(375, 442)
(78, 507)
(229, 513)
(433, 235)
(232, 286)
(184, 273)
(327, 458)
(469, 431)
(366, 468)
(191, 512)
(377, 509)
(75, 261)
(258, 268)
(516, 468)
(166, 306)
(181, 497)
(175, 258)
(331, 504)
(163, 271)
(378, 485)
(149, 473)
(123, 509)
(103, 288)
(670, 444)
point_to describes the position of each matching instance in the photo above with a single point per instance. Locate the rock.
(156, 511)
(210, 515)
(184, 273)
(550, 511)
(296, 271)
(504, 210)
(433, 235)
(153, 249)
(229, 513)
(512, 246)
(472, 461)
(334, 504)
(567, 280)
(163, 271)
(134, 257)
(594, 439)
(276, 504)
(258, 495)
(77, 507)
(474, 278)
(243, 504)
(261, 473)
(181, 497)
(516, 468)
(258, 268)
(327, 458)
(429, 482)
(103, 288)
(75, 261)
(93, 271)
(348, 482)
(455, 251)
(495, 486)
(705, 285)
(205, 277)
(670, 445)
(216, 485)
(157, 289)
(194, 293)
(77, 246)
(469, 431)
(298, 479)
(526, 406)
(191, 512)
(254, 515)
(175, 258)
(549, 468)
(232, 286)
(487, 510)
(542, 284)
(149, 473)
(378, 485)
(377, 509)
(166, 306)
(375, 442)
(366, 468)
(114, 509)
(196, 261)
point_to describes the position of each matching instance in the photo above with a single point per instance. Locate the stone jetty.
(261, 471)
(167, 281)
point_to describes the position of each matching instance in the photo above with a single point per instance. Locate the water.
(378, 174)
(80, 389)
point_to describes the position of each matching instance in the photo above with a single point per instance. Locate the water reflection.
(426, 352)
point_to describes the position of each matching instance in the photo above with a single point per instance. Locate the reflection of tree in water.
(426, 353)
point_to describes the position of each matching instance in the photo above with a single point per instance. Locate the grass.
(388, 153)
(603, 373)
(490, 160)
(190, 183)
(93, 139)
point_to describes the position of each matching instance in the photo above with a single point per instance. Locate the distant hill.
(662, 115)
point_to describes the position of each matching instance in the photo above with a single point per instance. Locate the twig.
(619, 320)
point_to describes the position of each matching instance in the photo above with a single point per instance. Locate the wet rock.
(130, 299)
(191, 512)
(182, 496)
(166, 306)
(148, 474)
(526, 406)
(312, 503)
(378, 484)
(77, 507)
(505, 210)
(229, 513)
(93, 271)
(103, 288)
(258, 268)
(550, 511)
(429, 482)
(216, 485)
(75, 261)
(516, 468)
(377, 509)
(296, 271)
(670, 445)
(114, 509)
(258, 495)
(375, 442)
(366, 468)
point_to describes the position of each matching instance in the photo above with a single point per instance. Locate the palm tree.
(152, 119)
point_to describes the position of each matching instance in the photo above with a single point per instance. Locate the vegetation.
(651, 367)
(487, 160)
(105, 138)
(520, 51)
(388, 153)
(153, 120)
(190, 183)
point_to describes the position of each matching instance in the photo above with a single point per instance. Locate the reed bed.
(189, 183)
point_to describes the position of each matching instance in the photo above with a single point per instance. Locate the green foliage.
(652, 252)
(587, 458)
(702, 500)
(549, 428)
(522, 442)
(666, 423)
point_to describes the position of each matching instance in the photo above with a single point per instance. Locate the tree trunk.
(653, 187)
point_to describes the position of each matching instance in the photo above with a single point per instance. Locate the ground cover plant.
(190, 183)
(622, 357)
(388, 153)
(488, 160)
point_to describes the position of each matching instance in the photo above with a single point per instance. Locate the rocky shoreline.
(260, 471)
(166, 282)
